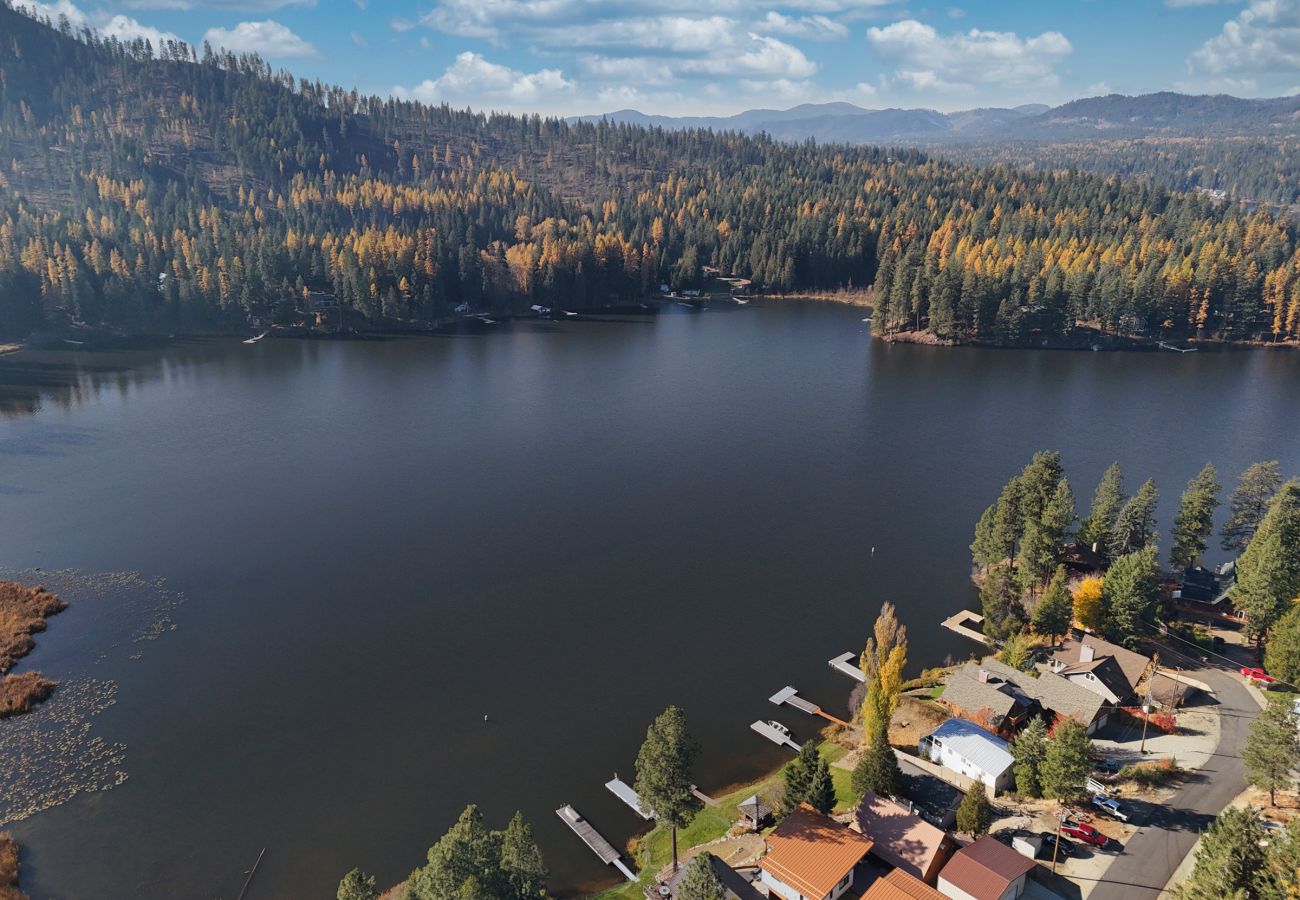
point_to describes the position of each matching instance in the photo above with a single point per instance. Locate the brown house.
(903, 839)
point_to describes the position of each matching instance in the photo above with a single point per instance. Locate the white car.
(1110, 807)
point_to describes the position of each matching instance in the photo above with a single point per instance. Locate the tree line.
(160, 188)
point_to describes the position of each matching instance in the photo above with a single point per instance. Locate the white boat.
(567, 313)
(867, 320)
(540, 310)
(256, 338)
(74, 343)
(486, 320)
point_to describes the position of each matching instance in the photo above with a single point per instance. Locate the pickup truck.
(1110, 807)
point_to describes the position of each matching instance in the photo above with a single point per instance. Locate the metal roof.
(987, 752)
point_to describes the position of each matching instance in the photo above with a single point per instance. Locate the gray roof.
(987, 752)
(965, 692)
(1054, 693)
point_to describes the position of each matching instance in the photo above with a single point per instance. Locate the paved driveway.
(1168, 832)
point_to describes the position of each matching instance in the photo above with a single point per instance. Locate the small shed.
(755, 812)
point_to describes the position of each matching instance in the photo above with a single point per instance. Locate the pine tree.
(663, 772)
(1107, 501)
(1284, 864)
(357, 885)
(467, 851)
(1000, 602)
(700, 881)
(975, 813)
(798, 776)
(1029, 749)
(1230, 863)
(1268, 573)
(1282, 653)
(1054, 613)
(1131, 589)
(821, 789)
(1135, 526)
(521, 861)
(1195, 520)
(1249, 503)
(1015, 652)
(1272, 752)
(1042, 545)
(877, 770)
(1067, 761)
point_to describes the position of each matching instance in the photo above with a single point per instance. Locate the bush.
(19, 693)
(1151, 774)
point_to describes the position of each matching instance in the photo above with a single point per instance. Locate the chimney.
(984, 676)
(1086, 653)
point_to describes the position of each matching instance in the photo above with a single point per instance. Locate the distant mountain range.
(1114, 115)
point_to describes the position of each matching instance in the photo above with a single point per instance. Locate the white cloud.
(930, 62)
(251, 5)
(267, 38)
(124, 28)
(1262, 40)
(474, 80)
(817, 28)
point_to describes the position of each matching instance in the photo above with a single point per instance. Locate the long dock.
(844, 664)
(958, 622)
(791, 696)
(775, 736)
(623, 791)
(593, 839)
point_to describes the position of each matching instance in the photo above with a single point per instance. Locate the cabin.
(898, 885)
(1108, 670)
(903, 839)
(810, 856)
(755, 813)
(985, 870)
(1082, 559)
(969, 750)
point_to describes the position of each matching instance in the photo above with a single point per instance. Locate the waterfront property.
(734, 885)
(1002, 698)
(898, 885)
(970, 751)
(810, 856)
(903, 839)
(1108, 670)
(985, 870)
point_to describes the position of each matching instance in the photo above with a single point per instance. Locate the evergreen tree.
(1015, 652)
(1107, 501)
(663, 772)
(1054, 613)
(1268, 573)
(1000, 602)
(1195, 520)
(1284, 864)
(1135, 526)
(1131, 589)
(1249, 503)
(357, 885)
(1042, 546)
(821, 789)
(1066, 762)
(985, 549)
(1029, 749)
(469, 850)
(1272, 752)
(1230, 863)
(700, 881)
(798, 776)
(1282, 653)
(521, 861)
(975, 813)
(877, 770)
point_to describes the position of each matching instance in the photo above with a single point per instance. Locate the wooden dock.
(958, 622)
(791, 696)
(593, 839)
(704, 798)
(845, 665)
(624, 792)
(775, 736)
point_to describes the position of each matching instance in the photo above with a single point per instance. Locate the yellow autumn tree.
(882, 663)
(1089, 612)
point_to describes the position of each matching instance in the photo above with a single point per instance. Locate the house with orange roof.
(810, 856)
(898, 885)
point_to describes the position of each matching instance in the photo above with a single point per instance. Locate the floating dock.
(775, 736)
(704, 798)
(791, 696)
(593, 839)
(958, 622)
(844, 664)
(624, 792)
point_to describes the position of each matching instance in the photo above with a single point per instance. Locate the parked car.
(1082, 831)
(1064, 850)
(1255, 673)
(1106, 766)
(1110, 807)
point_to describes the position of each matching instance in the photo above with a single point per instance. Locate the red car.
(1255, 673)
(1082, 831)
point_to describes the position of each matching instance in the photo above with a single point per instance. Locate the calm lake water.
(565, 527)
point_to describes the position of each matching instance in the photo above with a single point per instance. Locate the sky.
(718, 57)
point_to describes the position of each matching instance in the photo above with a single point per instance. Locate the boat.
(74, 343)
(867, 320)
(256, 338)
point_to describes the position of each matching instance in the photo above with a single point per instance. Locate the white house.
(969, 750)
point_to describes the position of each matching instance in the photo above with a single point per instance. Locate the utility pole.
(1056, 847)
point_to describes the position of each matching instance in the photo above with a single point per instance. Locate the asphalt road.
(1152, 854)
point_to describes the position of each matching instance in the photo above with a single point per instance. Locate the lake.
(564, 527)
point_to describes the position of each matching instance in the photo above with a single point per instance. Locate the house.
(810, 856)
(898, 885)
(754, 812)
(903, 839)
(976, 693)
(969, 750)
(1044, 692)
(734, 885)
(985, 870)
(1082, 559)
(1108, 670)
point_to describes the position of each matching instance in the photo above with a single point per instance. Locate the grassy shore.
(653, 851)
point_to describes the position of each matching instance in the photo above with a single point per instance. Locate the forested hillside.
(168, 188)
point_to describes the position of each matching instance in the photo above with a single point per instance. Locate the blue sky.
(713, 57)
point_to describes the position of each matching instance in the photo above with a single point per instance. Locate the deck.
(844, 664)
(775, 736)
(958, 622)
(624, 792)
(791, 696)
(593, 839)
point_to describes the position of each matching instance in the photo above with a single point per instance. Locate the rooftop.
(901, 838)
(811, 852)
(898, 885)
(1060, 695)
(985, 868)
(1132, 665)
(988, 752)
(733, 883)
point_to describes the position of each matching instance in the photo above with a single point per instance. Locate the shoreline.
(1088, 339)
